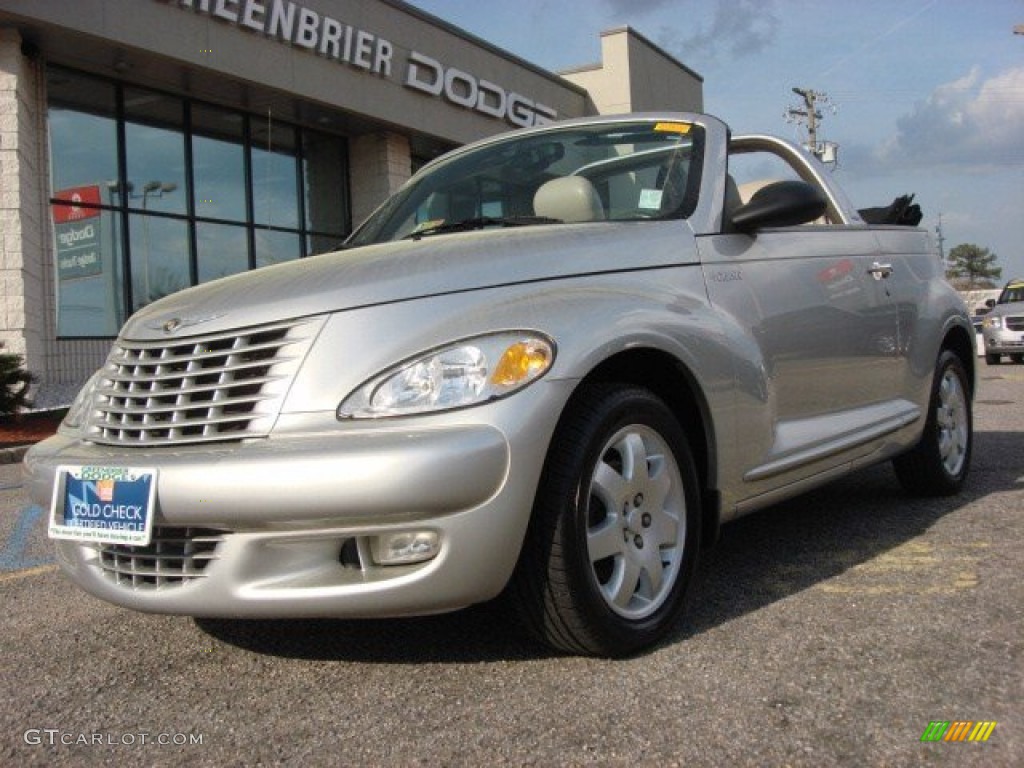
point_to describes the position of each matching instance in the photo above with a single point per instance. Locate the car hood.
(1001, 310)
(410, 269)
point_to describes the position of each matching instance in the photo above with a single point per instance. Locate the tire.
(938, 464)
(612, 545)
(1017, 359)
(993, 359)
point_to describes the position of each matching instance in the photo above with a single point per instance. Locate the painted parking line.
(13, 557)
(40, 569)
(918, 567)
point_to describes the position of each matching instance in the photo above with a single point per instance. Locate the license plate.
(103, 504)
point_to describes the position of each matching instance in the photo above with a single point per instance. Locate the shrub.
(14, 384)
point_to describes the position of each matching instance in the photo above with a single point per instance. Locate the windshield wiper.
(480, 222)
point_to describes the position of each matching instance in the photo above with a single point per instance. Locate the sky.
(928, 94)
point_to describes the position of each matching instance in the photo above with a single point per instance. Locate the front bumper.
(1000, 341)
(292, 520)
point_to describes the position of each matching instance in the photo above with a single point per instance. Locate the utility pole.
(810, 115)
(940, 239)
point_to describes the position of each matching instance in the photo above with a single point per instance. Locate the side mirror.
(990, 303)
(780, 204)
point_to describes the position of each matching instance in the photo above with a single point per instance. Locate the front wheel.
(612, 545)
(1017, 359)
(938, 464)
(992, 359)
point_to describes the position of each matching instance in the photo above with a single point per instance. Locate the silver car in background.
(552, 365)
(1002, 329)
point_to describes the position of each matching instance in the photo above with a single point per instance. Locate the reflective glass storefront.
(152, 193)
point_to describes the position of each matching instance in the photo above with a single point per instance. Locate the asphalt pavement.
(830, 630)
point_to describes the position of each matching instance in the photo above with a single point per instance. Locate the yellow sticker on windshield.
(672, 127)
(428, 224)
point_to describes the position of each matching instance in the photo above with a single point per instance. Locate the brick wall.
(27, 290)
(22, 206)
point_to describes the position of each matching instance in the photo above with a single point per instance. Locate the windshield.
(606, 172)
(1012, 293)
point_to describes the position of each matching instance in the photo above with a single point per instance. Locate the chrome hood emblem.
(174, 324)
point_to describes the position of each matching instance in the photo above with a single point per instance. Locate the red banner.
(76, 196)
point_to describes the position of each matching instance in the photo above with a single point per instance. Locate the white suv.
(1003, 327)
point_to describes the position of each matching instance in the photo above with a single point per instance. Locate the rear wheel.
(938, 464)
(613, 541)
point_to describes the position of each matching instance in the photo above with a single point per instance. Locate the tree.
(971, 266)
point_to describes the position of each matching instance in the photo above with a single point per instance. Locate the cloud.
(636, 7)
(971, 122)
(736, 27)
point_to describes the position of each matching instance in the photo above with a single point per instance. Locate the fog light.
(404, 547)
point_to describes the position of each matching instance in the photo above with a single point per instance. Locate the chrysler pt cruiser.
(552, 364)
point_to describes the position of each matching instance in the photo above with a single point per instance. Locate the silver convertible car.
(551, 365)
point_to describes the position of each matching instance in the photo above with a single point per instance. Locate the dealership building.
(150, 145)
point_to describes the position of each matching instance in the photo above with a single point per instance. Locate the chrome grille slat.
(153, 400)
(200, 389)
(180, 423)
(196, 373)
(173, 557)
(149, 408)
(202, 355)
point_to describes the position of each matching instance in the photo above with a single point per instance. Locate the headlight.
(80, 405)
(465, 373)
(992, 322)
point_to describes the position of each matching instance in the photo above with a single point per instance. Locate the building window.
(88, 245)
(151, 193)
(221, 250)
(218, 163)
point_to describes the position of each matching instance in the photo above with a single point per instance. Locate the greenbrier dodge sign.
(297, 25)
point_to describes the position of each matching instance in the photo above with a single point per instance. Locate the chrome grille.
(1015, 323)
(224, 386)
(173, 556)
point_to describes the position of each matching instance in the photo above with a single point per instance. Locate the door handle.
(880, 271)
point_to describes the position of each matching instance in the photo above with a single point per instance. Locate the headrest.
(569, 199)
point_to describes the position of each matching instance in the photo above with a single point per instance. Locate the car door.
(823, 336)
(910, 265)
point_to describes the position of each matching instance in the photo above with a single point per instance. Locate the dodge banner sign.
(77, 231)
